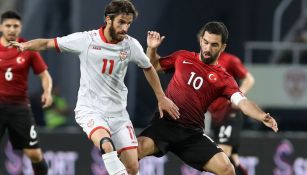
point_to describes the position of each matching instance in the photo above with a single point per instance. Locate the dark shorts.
(19, 122)
(228, 132)
(190, 145)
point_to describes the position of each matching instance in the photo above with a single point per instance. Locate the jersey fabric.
(195, 85)
(103, 67)
(14, 69)
(220, 108)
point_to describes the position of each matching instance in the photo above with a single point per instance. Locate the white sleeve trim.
(236, 98)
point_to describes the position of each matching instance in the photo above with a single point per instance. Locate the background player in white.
(15, 112)
(102, 98)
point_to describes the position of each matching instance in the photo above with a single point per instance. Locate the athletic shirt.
(103, 68)
(14, 69)
(222, 106)
(195, 85)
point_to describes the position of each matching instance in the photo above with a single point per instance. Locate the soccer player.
(15, 111)
(196, 83)
(226, 120)
(102, 98)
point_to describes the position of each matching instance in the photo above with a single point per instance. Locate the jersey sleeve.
(168, 62)
(231, 87)
(37, 63)
(74, 43)
(138, 56)
(238, 69)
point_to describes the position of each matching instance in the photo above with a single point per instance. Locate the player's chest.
(198, 78)
(108, 60)
(13, 60)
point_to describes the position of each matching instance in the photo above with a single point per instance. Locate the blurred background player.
(102, 98)
(226, 118)
(15, 113)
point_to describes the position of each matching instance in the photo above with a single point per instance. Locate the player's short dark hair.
(10, 15)
(117, 7)
(215, 27)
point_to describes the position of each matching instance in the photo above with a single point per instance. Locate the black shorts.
(19, 122)
(190, 145)
(228, 132)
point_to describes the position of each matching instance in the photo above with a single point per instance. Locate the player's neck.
(107, 35)
(4, 42)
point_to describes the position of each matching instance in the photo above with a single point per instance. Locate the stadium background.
(180, 21)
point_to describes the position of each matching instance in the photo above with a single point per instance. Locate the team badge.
(212, 77)
(123, 55)
(20, 60)
(90, 123)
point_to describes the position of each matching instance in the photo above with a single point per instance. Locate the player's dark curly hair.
(117, 7)
(10, 15)
(215, 27)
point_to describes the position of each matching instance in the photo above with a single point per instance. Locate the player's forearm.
(46, 82)
(39, 44)
(153, 56)
(154, 81)
(250, 109)
(247, 83)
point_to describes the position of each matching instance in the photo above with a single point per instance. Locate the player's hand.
(270, 122)
(19, 46)
(47, 100)
(165, 104)
(154, 39)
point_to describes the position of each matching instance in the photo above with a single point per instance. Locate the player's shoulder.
(21, 40)
(131, 40)
(228, 56)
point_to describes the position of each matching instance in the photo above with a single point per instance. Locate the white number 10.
(197, 81)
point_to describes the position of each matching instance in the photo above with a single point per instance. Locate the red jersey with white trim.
(195, 85)
(233, 65)
(14, 70)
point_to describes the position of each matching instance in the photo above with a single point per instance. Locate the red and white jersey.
(14, 70)
(103, 68)
(195, 85)
(233, 65)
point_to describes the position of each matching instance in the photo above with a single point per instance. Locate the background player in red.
(226, 120)
(15, 112)
(196, 83)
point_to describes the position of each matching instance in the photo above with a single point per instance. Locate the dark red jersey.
(233, 65)
(14, 70)
(195, 85)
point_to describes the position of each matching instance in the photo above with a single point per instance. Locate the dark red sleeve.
(37, 63)
(231, 87)
(237, 67)
(168, 62)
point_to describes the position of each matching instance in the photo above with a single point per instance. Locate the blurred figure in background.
(15, 112)
(57, 115)
(226, 118)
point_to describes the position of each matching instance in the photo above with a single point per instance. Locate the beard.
(114, 36)
(209, 60)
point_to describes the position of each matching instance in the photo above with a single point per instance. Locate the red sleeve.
(231, 87)
(237, 67)
(168, 62)
(37, 63)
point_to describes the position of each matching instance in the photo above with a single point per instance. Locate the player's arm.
(34, 45)
(153, 42)
(250, 109)
(46, 82)
(247, 83)
(164, 103)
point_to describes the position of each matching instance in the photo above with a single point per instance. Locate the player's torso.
(195, 85)
(14, 68)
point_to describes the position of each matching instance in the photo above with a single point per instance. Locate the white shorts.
(120, 128)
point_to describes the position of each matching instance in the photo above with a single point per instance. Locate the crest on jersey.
(123, 55)
(90, 123)
(212, 77)
(20, 60)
